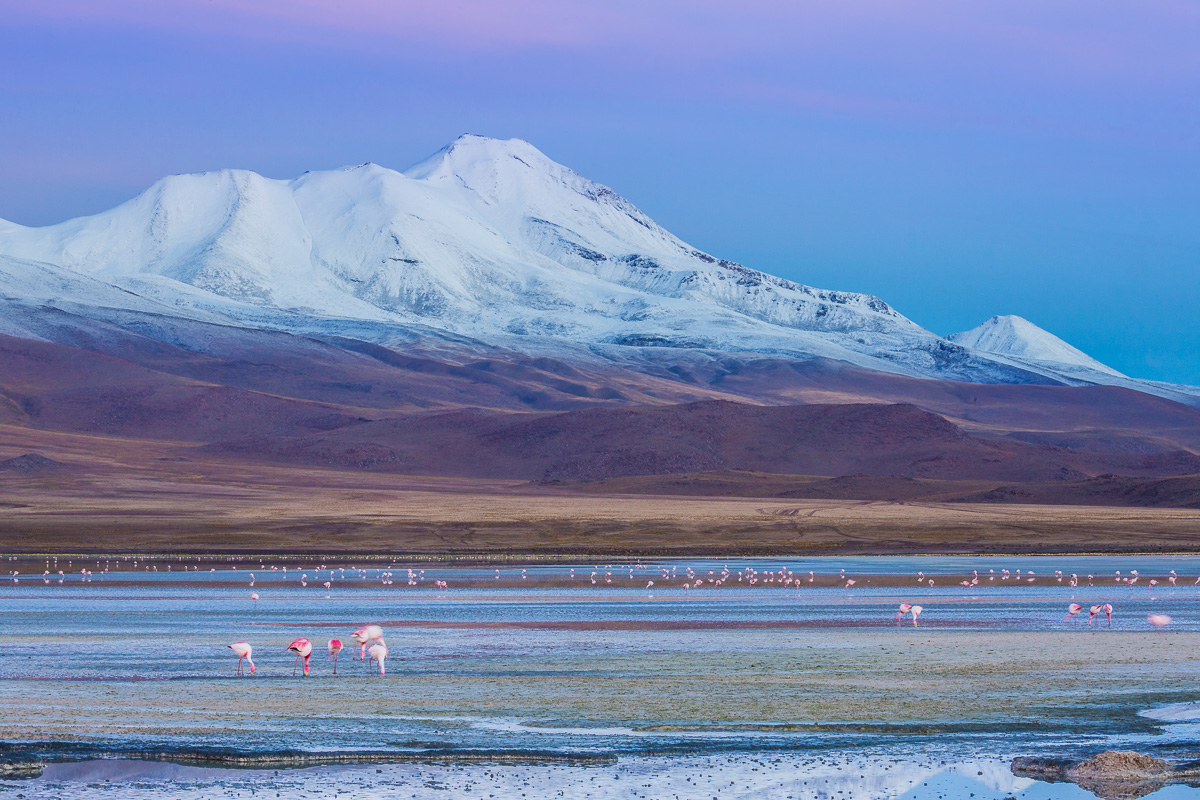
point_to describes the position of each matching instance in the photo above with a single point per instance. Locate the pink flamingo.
(242, 650)
(1158, 620)
(916, 612)
(364, 636)
(361, 640)
(1108, 613)
(303, 650)
(378, 653)
(1094, 611)
(904, 609)
(1073, 609)
(335, 647)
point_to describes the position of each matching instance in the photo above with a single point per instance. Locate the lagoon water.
(543, 684)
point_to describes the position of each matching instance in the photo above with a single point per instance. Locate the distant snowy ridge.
(488, 242)
(1015, 336)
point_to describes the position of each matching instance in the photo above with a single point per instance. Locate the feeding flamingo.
(916, 612)
(378, 652)
(1073, 609)
(904, 609)
(303, 649)
(364, 636)
(1158, 620)
(242, 651)
(1096, 609)
(335, 647)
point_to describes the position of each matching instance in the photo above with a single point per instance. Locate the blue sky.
(959, 159)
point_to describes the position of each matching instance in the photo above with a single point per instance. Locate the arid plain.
(143, 498)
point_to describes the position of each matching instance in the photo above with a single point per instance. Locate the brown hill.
(897, 440)
(269, 397)
(32, 464)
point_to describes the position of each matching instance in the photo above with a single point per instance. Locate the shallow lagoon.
(675, 684)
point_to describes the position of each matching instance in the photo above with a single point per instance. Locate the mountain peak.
(471, 153)
(1010, 335)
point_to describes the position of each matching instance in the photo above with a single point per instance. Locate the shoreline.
(564, 558)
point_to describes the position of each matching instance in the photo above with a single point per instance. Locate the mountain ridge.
(486, 244)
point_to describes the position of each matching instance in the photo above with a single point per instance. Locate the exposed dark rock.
(1111, 775)
(21, 769)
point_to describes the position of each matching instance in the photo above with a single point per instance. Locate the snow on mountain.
(1011, 335)
(486, 241)
(1018, 342)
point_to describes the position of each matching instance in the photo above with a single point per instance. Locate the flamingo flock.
(369, 637)
(373, 650)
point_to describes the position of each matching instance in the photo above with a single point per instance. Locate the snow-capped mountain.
(486, 243)
(1017, 341)
(1010, 335)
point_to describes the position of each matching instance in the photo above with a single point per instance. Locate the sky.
(958, 158)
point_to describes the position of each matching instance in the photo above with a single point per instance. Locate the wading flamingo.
(1094, 611)
(242, 650)
(364, 636)
(335, 647)
(904, 609)
(303, 650)
(1158, 620)
(1073, 609)
(916, 612)
(1108, 613)
(378, 652)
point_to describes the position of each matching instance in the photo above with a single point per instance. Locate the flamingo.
(335, 647)
(904, 609)
(378, 652)
(242, 650)
(1108, 613)
(361, 640)
(1073, 609)
(364, 636)
(916, 612)
(303, 649)
(1158, 620)
(1094, 611)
